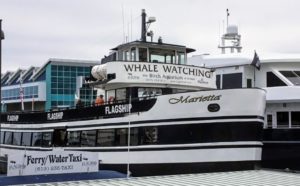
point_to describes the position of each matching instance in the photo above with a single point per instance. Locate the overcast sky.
(36, 30)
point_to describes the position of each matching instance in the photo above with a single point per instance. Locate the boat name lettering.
(51, 158)
(12, 117)
(168, 69)
(189, 99)
(118, 109)
(55, 116)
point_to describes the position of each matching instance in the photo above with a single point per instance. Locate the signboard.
(51, 162)
(161, 73)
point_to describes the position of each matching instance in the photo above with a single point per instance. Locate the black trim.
(168, 148)
(181, 168)
(78, 114)
(144, 121)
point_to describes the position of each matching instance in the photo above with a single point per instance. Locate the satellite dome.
(232, 30)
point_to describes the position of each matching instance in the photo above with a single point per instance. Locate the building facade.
(56, 84)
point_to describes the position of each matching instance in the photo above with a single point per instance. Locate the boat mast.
(145, 26)
(144, 30)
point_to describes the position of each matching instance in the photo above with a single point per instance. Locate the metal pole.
(128, 137)
(1, 37)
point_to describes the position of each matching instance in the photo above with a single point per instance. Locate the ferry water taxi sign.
(52, 162)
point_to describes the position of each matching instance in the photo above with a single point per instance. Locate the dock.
(236, 178)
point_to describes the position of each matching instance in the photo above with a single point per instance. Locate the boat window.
(298, 73)
(143, 55)
(133, 54)
(120, 55)
(161, 56)
(88, 138)
(282, 119)
(218, 81)
(273, 80)
(8, 138)
(106, 137)
(170, 59)
(292, 76)
(134, 136)
(74, 138)
(26, 139)
(232, 81)
(295, 119)
(17, 138)
(36, 139)
(110, 95)
(47, 139)
(121, 137)
(121, 94)
(249, 83)
(181, 58)
(149, 92)
(150, 135)
(2, 137)
(126, 55)
(59, 137)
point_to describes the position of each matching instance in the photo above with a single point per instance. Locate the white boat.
(279, 75)
(166, 117)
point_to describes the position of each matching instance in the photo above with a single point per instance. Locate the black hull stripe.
(172, 120)
(140, 149)
(146, 121)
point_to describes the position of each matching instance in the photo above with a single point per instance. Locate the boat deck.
(238, 178)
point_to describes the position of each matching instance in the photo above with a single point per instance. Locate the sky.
(36, 30)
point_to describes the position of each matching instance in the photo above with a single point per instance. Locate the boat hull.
(205, 131)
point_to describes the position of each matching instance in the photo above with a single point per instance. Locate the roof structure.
(235, 59)
(238, 178)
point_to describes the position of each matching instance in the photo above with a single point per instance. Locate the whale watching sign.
(159, 73)
(52, 162)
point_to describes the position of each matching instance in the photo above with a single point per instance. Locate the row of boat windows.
(176, 134)
(234, 80)
(105, 137)
(285, 119)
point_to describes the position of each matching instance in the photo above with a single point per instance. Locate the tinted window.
(249, 83)
(74, 138)
(26, 139)
(218, 82)
(36, 139)
(121, 137)
(47, 139)
(273, 80)
(134, 136)
(8, 138)
(106, 137)
(88, 138)
(292, 76)
(232, 80)
(150, 135)
(296, 119)
(17, 138)
(282, 119)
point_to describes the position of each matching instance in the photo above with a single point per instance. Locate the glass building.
(57, 84)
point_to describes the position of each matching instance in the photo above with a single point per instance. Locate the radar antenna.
(231, 39)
